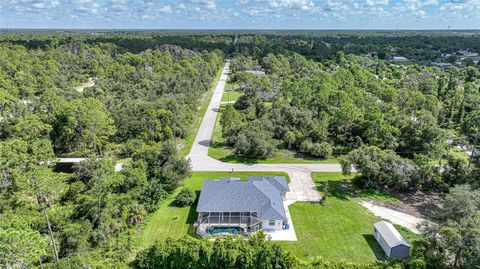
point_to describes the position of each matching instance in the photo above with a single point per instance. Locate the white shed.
(391, 241)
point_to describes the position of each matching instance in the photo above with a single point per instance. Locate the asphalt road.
(301, 185)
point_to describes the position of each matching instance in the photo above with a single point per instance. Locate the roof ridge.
(271, 205)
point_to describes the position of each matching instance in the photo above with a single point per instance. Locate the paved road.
(301, 185)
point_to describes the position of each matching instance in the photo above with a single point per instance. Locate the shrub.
(322, 150)
(186, 197)
(256, 252)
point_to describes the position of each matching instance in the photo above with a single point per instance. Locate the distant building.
(399, 59)
(444, 65)
(468, 53)
(391, 241)
(256, 72)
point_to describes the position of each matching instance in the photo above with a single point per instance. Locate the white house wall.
(278, 225)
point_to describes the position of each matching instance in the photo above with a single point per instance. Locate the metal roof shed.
(391, 241)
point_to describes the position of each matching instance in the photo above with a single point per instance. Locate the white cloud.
(355, 13)
(205, 4)
(294, 4)
(84, 7)
(377, 2)
(460, 8)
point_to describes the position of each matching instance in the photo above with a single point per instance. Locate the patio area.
(284, 235)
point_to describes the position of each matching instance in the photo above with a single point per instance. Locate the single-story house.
(399, 59)
(235, 206)
(391, 241)
(256, 72)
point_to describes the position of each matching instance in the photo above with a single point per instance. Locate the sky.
(240, 14)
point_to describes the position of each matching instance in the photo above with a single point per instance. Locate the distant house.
(256, 72)
(444, 65)
(234, 206)
(399, 59)
(391, 241)
(468, 53)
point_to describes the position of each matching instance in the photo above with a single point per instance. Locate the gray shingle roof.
(280, 182)
(233, 195)
(390, 234)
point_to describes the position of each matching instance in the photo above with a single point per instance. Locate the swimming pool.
(224, 230)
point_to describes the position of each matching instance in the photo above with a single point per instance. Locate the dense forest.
(113, 96)
(136, 107)
(353, 105)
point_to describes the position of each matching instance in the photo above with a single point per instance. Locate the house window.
(271, 222)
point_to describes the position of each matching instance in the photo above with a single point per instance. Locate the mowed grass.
(170, 221)
(218, 150)
(339, 229)
(456, 153)
(231, 96)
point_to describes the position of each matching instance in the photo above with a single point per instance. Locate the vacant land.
(218, 150)
(339, 229)
(229, 96)
(171, 221)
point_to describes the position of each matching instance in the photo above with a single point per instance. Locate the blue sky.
(241, 14)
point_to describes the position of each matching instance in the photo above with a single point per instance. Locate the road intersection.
(302, 187)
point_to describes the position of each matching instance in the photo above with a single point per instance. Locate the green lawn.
(171, 221)
(231, 96)
(339, 229)
(459, 154)
(218, 150)
(456, 153)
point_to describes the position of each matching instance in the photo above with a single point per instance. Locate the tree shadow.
(374, 246)
(346, 189)
(241, 159)
(338, 189)
(307, 157)
(192, 216)
(205, 143)
(216, 144)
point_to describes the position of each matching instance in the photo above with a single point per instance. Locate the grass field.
(459, 154)
(339, 229)
(218, 150)
(171, 221)
(231, 96)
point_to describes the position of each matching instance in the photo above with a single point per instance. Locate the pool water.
(224, 230)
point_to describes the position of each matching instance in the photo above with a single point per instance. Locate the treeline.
(137, 105)
(331, 108)
(147, 97)
(318, 45)
(132, 41)
(450, 242)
